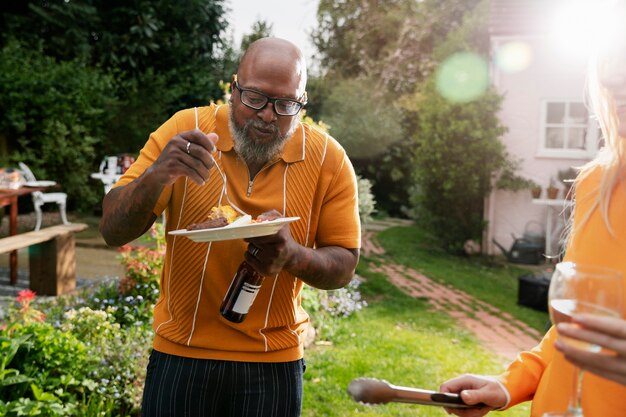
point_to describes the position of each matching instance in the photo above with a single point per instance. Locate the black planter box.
(533, 291)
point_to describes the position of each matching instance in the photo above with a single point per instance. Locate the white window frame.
(591, 139)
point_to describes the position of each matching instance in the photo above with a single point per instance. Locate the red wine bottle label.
(246, 298)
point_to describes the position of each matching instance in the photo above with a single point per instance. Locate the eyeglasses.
(257, 101)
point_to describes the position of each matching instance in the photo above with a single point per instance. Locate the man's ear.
(232, 86)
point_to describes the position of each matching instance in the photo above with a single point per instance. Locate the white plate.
(39, 183)
(235, 231)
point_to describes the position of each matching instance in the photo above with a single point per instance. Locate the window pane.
(576, 139)
(578, 113)
(554, 137)
(556, 112)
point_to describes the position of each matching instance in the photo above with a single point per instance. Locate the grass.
(398, 338)
(488, 280)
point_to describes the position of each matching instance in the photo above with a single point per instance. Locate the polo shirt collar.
(293, 151)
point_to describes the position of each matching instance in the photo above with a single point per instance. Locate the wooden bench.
(51, 256)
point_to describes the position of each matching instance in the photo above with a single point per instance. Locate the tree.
(164, 55)
(55, 118)
(390, 41)
(260, 29)
(459, 153)
(389, 47)
(145, 58)
(364, 125)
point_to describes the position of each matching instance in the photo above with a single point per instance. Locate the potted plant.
(552, 191)
(567, 176)
(508, 180)
(535, 189)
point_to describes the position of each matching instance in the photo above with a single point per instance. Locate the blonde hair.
(611, 157)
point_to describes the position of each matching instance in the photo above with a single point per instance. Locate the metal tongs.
(376, 391)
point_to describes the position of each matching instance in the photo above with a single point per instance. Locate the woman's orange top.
(543, 375)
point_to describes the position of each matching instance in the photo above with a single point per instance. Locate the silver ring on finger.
(188, 147)
(254, 251)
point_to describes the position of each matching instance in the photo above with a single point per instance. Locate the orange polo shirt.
(543, 375)
(312, 179)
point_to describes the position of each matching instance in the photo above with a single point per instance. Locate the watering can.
(523, 251)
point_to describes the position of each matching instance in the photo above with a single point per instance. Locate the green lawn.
(400, 339)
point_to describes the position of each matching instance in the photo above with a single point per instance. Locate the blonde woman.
(598, 236)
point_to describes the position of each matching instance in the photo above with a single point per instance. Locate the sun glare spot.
(462, 77)
(581, 26)
(513, 56)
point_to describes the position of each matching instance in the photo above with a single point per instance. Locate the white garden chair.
(41, 198)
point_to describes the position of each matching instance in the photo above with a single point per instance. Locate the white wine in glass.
(589, 289)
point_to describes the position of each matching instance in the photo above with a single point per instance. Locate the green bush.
(364, 125)
(367, 202)
(327, 308)
(56, 364)
(54, 117)
(458, 154)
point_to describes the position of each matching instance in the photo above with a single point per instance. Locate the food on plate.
(221, 216)
(209, 224)
(226, 212)
(267, 216)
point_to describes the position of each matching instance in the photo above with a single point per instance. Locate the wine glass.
(579, 288)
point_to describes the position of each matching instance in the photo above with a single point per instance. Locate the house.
(549, 127)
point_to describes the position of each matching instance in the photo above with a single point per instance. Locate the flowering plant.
(143, 265)
(367, 202)
(326, 308)
(25, 313)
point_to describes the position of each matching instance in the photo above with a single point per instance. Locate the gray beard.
(252, 152)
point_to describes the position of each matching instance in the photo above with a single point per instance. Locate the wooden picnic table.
(9, 197)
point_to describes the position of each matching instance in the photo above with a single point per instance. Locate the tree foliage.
(55, 118)
(389, 47)
(157, 57)
(260, 29)
(459, 153)
(365, 126)
(391, 41)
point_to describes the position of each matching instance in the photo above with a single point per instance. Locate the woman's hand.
(475, 389)
(607, 332)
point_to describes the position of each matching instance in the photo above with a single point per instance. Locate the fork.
(225, 189)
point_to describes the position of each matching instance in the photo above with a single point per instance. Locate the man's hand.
(127, 210)
(475, 389)
(327, 268)
(186, 154)
(607, 332)
(269, 254)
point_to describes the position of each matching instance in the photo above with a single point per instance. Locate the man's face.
(260, 135)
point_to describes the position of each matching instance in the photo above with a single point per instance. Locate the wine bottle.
(241, 293)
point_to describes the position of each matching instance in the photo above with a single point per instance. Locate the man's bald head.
(281, 57)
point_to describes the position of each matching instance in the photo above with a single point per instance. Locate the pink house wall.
(550, 75)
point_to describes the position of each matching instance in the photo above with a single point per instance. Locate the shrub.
(85, 363)
(53, 120)
(367, 203)
(326, 307)
(459, 153)
(56, 364)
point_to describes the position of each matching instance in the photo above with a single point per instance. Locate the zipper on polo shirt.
(251, 180)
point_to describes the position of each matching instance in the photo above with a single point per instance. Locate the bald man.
(255, 154)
